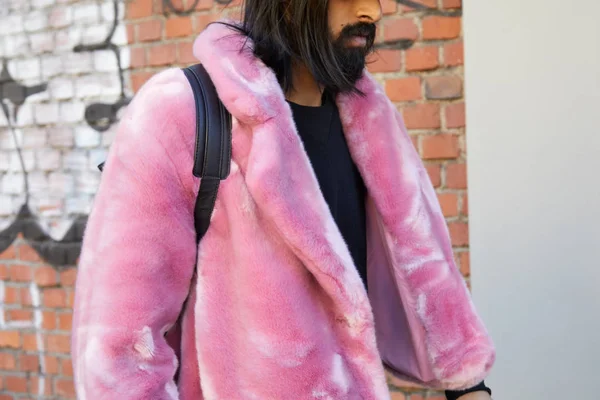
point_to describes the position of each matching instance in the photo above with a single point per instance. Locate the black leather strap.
(212, 154)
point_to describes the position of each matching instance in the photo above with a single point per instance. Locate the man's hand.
(481, 395)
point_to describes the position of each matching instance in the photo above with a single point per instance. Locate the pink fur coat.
(278, 310)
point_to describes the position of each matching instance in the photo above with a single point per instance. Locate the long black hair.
(288, 31)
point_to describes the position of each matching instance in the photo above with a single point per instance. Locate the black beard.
(351, 59)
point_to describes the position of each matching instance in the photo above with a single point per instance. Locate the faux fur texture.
(278, 308)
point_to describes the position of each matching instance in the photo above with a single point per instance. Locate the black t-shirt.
(320, 130)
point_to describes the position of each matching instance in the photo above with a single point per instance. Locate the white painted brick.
(105, 61)
(61, 88)
(76, 160)
(4, 160)
(97, 156)
(41, 3)
(95, 34)
(48, 159)
(108, 136)
(111, 86)
(79, 204)
(61, 183)
(34, 138)
(51, 66)
(2, 51)
(13, 183)
(38, 182)
(25, 115)
(61, 136)
(26, 69)
(87, 182)
(107, 11)
(73, 111)
(120, 36)
(86, 137)
(60, 17)
(12, 23)
(48, 205)
(6, 139)
(36, 21)
(66, 39)
(46, 113)
(6, 208)
(28, 159)
(87, 86)
(15, 45)
(76, 63)
(85, 13)
(42, 42)
(125, 57)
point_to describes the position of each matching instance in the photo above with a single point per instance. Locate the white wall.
(533, 138)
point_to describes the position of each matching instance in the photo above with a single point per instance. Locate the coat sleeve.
(138, 250)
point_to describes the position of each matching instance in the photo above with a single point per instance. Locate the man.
(326, 198)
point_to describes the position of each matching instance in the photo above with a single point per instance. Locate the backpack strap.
(212, 154)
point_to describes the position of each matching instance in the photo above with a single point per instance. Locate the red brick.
(55, 298)
(422, 58)
(26, 297)
(465, 205)
(398, 396)
(202, 21)
(404, 89)
(48, 320)
(11, 295)
(130, 33)
(46, 276)
(139, 9)
(455, 115)
(139, 78)
(29, 363)
(27, 253)
(21, 273)
(451, 3)
(459, 232)
(456, 176)
(389, 7)
(180, 6)
(422, 116)
(10, 339)
(58, 343)
(65, 321)
(415, 141)
(163, 54)
(30, 342)
(149, 31)
(68, 276)
(385, 60)
(416, 397)
(454, 53)
(65, 387)
(440, 27)
(445, 87)
(70, 298)
(185, 54)
(51, 364)
(449, 204)
(138, 57)
(400, 28)
(8, 254)
(465, 263)
(15, 384)
(8, 362)
(426, 3)
(207, 4)
(434, 172)
(440, 146)
(178, 27)
(20, 315)
(34, 382)
(4, 272)
(67, 367)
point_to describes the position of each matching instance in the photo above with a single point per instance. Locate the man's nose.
(369, 11)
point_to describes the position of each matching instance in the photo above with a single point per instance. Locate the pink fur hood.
(277, 310)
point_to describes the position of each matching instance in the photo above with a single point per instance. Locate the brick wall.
(79, 78)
